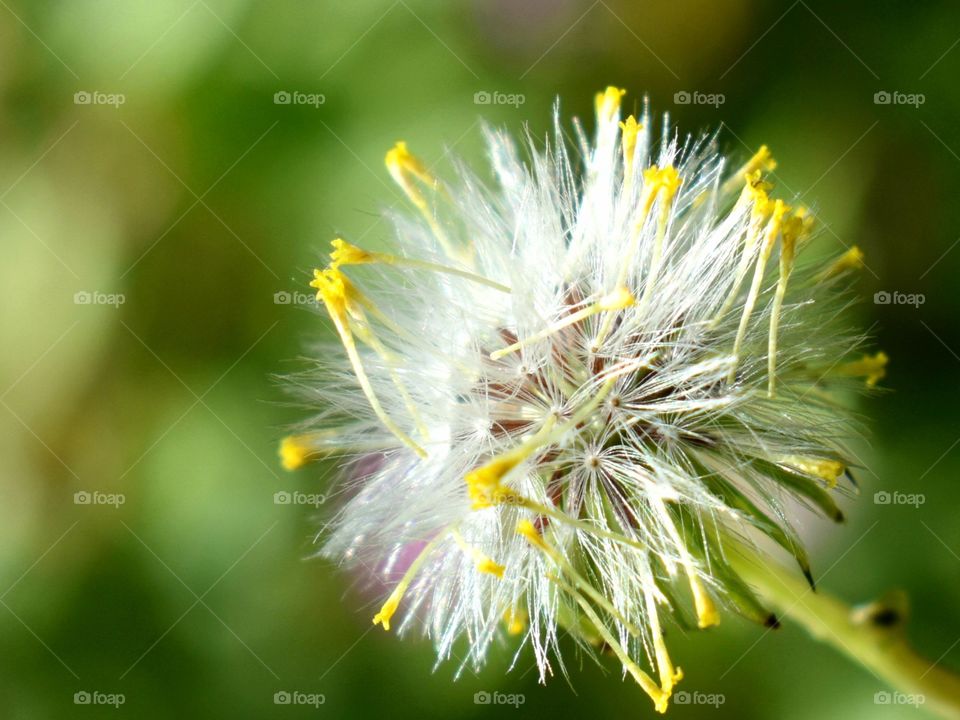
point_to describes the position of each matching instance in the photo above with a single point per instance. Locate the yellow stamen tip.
(401, 162)
(852, 259)
(346, 254)
(707, 615)
(516, 621)
(617, 300)
(331, 288)
(483, 484)
(530, 532)
(398, 156)
(757, 190)
(876, 367)
(490, 567)
(666, 179)
(827, 470)
(763, 160)
(294, 453)
(630, 129)
(388, 609)
(709, 618)
(796, 229)
(608, 103)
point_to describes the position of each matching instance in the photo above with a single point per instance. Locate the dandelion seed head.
(568, 388)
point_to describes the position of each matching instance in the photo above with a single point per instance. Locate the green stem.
(874, 638)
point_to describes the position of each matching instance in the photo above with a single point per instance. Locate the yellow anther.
(405, 169)
(295, 452)
(346, 254)
(617, 300)
(796, 227)
(331, 289)
(403, 164)
(608, 103)
(771, 233)
(852, 259)
(515, 620)
(669, 675)
(872, 367)
(757, 191)
(707, 615)
(393, 602)
(663, 183)
(655, 180)
(530, 532)
(666, 179)
(486, 565)
(389, 608)
(755, 194)
(762, 161)
(336, 292)
(484, 484)
(827, 470)
(630, 129)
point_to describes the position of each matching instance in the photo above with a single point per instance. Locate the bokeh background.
(160, 210)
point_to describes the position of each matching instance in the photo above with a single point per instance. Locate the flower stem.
(874, 636)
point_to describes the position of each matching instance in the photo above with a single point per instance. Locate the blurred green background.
(149, 222)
